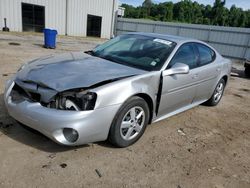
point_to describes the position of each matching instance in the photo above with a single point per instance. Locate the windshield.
(138, 51)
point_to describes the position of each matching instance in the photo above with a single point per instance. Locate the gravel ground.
(213, 151)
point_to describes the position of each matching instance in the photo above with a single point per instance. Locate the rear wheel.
(217, 95)
(130, 122)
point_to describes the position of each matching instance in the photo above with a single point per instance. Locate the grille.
(19, 94)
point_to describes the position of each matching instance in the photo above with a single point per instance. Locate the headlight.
(76, 101)
(87, 101)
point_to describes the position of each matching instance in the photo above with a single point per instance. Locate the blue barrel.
(50, 38)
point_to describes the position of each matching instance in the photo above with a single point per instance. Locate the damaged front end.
(73, 100)
(76, 100)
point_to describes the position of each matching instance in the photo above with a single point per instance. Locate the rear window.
(207, 55)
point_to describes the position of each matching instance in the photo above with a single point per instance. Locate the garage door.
(33, 17)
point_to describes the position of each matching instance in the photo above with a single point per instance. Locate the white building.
(121, 11)
(68, 17)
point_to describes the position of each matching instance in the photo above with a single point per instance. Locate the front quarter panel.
(118, 92)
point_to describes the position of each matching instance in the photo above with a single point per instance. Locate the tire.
(217, 94)
(247, 71)
(126, 129)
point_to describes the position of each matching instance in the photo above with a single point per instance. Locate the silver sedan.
(115, 90)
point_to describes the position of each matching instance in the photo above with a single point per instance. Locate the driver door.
(179, 90)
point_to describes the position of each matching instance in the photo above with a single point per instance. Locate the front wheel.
(217, 95)
(130, 122)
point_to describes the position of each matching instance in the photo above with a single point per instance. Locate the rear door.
(208, 72)
(179, 90)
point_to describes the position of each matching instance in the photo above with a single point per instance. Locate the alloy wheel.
(132, 123)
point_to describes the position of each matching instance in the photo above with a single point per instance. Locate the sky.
(245, 4)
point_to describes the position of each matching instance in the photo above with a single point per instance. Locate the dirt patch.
(238, 95)
(63, 165)
(14, 44)
(245, 90)
(202, 147)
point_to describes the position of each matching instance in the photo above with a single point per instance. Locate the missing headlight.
(73, 100)
(70, 105)
(88, 101)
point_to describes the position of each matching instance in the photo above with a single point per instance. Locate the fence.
(231, 42)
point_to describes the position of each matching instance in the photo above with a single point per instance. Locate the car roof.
(173, 38)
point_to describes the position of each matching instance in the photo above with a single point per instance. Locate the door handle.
(195, 76)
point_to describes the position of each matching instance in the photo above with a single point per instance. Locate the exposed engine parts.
(76, 100)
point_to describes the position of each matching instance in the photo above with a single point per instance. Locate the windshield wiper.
(91, 52)
(110, 58)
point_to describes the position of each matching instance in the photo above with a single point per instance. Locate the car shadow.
(235, 72)
(30, 137)
(39, 45)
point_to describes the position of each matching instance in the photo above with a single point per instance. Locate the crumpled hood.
(73, 70)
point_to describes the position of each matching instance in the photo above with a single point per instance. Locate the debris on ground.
(14, 43)
(98, 173)
(46, 166)
(181, 132)
(63, 165)
(210, 169)
(52, 155)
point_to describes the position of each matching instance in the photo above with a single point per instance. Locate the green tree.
(147, 4)
(197, 17)
(179, 12)
(130, 11)
(163, 11)
(219, 12)
(169, 11)
(190, 12)
(247, 23)
(234, 16)
(207, 15)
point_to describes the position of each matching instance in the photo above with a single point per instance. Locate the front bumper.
(92, 126)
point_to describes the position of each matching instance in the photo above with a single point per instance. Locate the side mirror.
(177, 68)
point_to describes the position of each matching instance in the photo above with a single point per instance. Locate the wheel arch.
(143, 96)
(146, 98)
(150, 103)
(225, 78)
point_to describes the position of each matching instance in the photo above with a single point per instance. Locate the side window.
(186, 55)
(206, 54)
